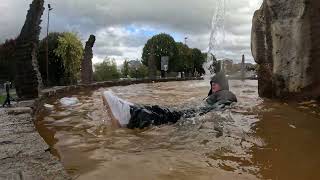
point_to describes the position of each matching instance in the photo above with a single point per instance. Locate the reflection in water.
(255, 139)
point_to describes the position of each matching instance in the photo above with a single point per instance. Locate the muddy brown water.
(254, 139)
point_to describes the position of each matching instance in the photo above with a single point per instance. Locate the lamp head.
(49, 7)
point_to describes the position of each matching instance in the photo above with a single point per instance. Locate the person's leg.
(140, 118)
(145, 116)
(189, 113)
(8, 97)
(5, 102)
(164, 115)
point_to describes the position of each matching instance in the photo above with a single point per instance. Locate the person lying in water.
(127, 114)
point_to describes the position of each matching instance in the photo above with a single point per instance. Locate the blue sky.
(151, 32)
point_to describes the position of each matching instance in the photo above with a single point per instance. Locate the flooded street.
(254, 139)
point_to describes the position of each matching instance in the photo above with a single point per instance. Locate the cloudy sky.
(122, 27)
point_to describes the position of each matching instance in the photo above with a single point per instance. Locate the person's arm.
(212, 99)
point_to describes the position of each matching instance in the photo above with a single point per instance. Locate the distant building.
(227, 66)
(247, 66)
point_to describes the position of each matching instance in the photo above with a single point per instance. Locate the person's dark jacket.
(224, 96)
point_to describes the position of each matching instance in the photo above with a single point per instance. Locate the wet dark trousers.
(7, 101)
(145, 116)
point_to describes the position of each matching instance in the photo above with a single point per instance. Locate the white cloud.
(122, 27)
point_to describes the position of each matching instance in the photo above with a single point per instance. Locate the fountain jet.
(217, 35)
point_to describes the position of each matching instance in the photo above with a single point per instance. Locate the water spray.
(217, 36)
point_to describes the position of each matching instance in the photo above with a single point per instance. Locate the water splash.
(217, 35)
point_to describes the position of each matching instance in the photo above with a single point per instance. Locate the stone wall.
(284, 44)
(86, 65)
(23, 153)
(28, 78)
(262, 49)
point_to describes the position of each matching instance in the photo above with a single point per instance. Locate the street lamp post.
(47, 44)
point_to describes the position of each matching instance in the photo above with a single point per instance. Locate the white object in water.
(120, 108)
(292, 126)
(48, 106)
(69, 101)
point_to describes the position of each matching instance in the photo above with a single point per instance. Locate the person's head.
(218, 82)
(215, 87)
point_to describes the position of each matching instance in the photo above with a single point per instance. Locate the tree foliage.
(7, 61)
(70, 49)
(134, 69)
(107, 70)
(55, 64)
(139, 72)
(183, 60)
(125, 69)
(198, 59)
(181, 57)
(163, 44)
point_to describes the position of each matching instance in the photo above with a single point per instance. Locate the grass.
(3, 96)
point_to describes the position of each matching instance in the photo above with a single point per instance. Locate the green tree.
(55, 64)
(70, 49)
(139, 72)
(163, 44)
(107, 70)
(7, 61)
(198, 60)
(183, 59)
(125, 69)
